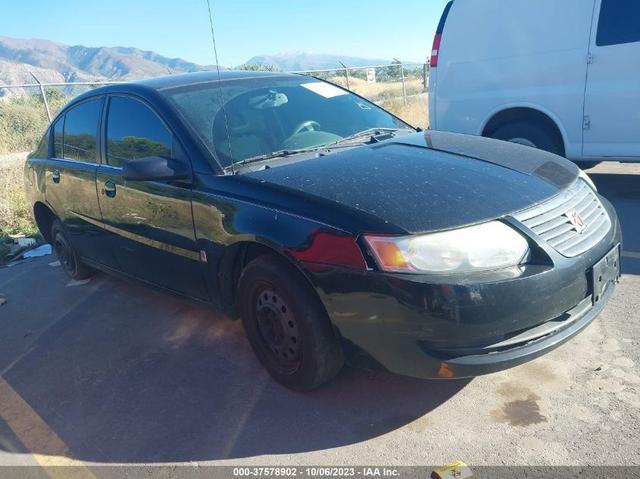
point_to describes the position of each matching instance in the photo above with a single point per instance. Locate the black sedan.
(326, 224)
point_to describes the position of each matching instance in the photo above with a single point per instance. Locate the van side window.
(619, 22)
(56, 129)
(134, 131)
(81, 131)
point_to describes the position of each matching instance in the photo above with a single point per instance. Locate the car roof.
(184, 79)
(173, 81)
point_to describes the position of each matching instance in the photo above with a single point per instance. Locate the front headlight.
(483, 247)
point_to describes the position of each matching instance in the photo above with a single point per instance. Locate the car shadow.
(132, 375)
(623, 191)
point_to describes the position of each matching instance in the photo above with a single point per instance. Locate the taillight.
(435, 50)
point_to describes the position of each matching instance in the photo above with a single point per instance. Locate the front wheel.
(287, 326)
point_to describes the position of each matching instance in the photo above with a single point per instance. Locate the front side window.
(134, 131)
(268, 114)
(619, 22)
(80, 137)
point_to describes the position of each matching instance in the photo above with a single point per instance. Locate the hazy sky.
(244, 28)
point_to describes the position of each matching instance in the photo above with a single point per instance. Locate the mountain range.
(56, 62)
(305, 61)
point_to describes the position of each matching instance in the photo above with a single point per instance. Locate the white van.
(561, 75)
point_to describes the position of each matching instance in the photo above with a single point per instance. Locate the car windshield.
(269, 116)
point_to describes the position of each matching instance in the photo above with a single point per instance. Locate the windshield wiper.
(269, 156)
(371, 133)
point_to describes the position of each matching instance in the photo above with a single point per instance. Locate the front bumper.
(424, 326)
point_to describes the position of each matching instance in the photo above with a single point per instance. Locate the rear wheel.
(529, 135)
(287, 326)
(69, 259)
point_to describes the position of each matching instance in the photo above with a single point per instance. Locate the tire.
(69, 259)
(530, 135)
(287, 325)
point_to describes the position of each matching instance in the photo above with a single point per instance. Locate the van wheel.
(529, 135)
(287, 326)
(69, 259)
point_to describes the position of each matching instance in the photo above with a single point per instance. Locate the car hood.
(429, 181)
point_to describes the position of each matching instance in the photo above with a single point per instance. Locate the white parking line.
(631, 254)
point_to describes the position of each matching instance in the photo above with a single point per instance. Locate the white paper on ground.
(43, 250)
(75, 282)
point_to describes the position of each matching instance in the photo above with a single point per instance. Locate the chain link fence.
(26, 109)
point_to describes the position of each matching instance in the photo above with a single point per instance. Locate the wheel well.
(524, 115)
(44, 220)
(233, 262)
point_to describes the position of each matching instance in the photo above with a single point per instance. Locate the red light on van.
(435, 50)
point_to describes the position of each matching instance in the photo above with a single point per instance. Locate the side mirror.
(156, 168)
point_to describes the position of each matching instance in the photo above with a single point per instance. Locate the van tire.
(287, 325)
(67, 256)
(530, 135)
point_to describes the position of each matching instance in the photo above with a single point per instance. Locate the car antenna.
(220, 97)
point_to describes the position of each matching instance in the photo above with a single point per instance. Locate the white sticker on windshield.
(326, 90)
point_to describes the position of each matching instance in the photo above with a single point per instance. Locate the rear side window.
(134, 131)
(43, 148)
(81, 132)
(619, 22)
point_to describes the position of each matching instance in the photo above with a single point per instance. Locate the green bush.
(15, 214)
(24, 119)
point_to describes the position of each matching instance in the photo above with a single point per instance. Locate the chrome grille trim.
(549, 220)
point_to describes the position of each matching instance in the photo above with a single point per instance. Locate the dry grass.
(415, 112)
(389, 96)
(380, 91)
(15, 214)
(23, 120)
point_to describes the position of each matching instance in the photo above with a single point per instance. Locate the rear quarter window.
(57, 130)
(619, 22)
(43, 147)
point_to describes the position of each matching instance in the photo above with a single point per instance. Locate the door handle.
(109, 189)
(55, 176)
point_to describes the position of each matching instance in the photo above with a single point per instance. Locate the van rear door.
(612, 101)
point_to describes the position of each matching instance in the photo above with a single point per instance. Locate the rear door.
(612, 102)
(71, 177)
(150, 222)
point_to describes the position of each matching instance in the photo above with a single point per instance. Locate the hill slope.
(296, 61)
(52, 61)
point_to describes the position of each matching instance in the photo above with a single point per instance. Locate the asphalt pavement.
(110, 372)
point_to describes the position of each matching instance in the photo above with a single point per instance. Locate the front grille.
(550, 220)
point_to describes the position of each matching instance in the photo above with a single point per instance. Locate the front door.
(150, 222)
(612, 101)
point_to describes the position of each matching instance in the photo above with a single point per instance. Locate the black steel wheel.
(69, 259)
(278, 329)
(287, 325)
